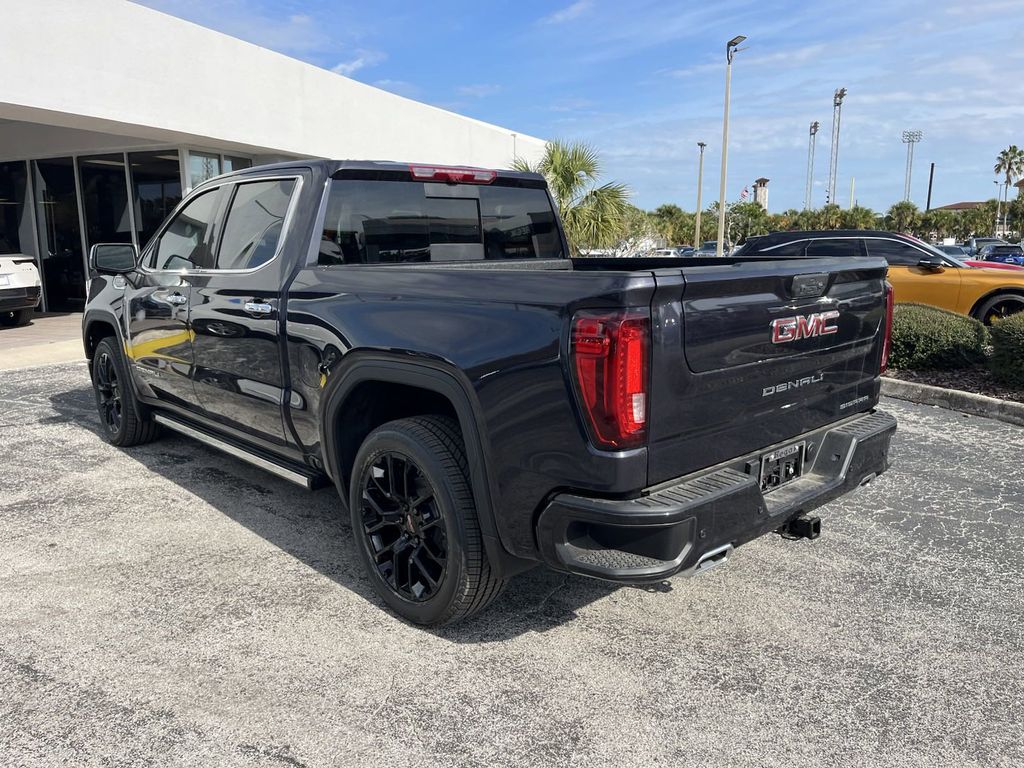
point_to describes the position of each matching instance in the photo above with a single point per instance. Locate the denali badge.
(786, 329)
(795, 384)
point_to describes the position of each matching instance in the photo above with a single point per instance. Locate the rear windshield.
(1006, 249)
(398, 222)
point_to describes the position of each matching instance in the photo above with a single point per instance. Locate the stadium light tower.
(812, 139)
(833, 162)
(730, 50)
(910, 138)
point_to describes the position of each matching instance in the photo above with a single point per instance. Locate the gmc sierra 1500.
(419, 336)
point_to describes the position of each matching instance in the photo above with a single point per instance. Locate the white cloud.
(360, 60)
(479, 91)
(569, 13)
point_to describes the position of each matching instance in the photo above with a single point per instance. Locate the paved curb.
(955, 400)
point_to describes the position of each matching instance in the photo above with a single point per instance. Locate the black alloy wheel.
(415, 521)
(404, 530)
(126, 421)
(108, 392)
(1001, 308)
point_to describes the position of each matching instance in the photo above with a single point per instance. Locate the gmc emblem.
(787, 329)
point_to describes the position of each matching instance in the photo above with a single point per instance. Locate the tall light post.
(833, 160)
(999, 203)
(730, 50)
(700, 188)
(910, 138)
(811, 141)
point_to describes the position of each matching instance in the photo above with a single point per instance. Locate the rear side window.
(786, 250)
(254, 222)
(400, 222)
(896, 253)
(817, 249)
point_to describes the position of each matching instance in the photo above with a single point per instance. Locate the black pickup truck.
(419, 336)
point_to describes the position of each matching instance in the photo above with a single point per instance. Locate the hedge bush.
(1007, 361)
(926, 337)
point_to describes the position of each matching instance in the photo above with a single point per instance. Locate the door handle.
(258, 308)
(177, 298)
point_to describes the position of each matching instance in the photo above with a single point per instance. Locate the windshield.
(1007, 249)
(935, 251)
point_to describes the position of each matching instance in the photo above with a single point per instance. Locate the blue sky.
(643, 81)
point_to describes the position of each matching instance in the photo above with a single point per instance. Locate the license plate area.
(781, 466)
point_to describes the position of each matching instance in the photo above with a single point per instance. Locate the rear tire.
(124, 419)
(16, 318)
(415, 522)
(999, 307)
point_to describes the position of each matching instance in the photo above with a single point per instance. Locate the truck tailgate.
(746, 355)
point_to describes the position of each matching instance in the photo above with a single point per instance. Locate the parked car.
(958, 251)
(20, 287)
(992, 265)
(418, 337)
(710, 248)
(975, 244)
(1005, 254)
(918, 272)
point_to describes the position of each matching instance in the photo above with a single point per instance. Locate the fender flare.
(106, 317)
(435, 376)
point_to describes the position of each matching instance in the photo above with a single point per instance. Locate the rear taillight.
(452, 175)
(610, 357)
(887, 338)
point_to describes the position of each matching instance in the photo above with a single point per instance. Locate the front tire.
(415, 522)
(16, 318)
(999, 307)
(124, 419)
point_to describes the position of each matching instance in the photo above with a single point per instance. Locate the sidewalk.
(48, 338)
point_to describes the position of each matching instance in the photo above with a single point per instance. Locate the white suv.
(20, 288)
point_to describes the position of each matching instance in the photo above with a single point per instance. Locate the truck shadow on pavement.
(313, 527)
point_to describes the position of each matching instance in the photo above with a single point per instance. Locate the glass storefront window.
(15, 216)
(60, 237)
(156, 183)
(236, 163)
(105, 199)
(202, 166)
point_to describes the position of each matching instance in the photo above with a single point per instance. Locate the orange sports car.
(918, 272)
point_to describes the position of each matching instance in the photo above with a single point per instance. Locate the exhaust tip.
(713, 559)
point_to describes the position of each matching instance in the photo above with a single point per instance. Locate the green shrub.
(926, 337)
(1008, 350)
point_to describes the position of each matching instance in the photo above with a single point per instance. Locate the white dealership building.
(110, 112)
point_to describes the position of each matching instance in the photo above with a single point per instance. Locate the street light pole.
(700, 188)
(812, 140)
(730, 51)
(999, 202)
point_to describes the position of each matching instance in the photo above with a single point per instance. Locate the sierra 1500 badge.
(787, 329)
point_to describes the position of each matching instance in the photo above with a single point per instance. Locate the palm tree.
(903, 217)
(857, 217)
(593, 216)
(1010, 162)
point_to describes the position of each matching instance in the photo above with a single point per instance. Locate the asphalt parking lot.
(168, 605)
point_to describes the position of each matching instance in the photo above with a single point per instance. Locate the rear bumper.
(673, 527)
(13, 299)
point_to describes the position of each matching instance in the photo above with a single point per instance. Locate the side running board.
(307, 478)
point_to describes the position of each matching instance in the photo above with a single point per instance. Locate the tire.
(124, 419)
(415, 522)
(1000, 306)
(17, 317)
